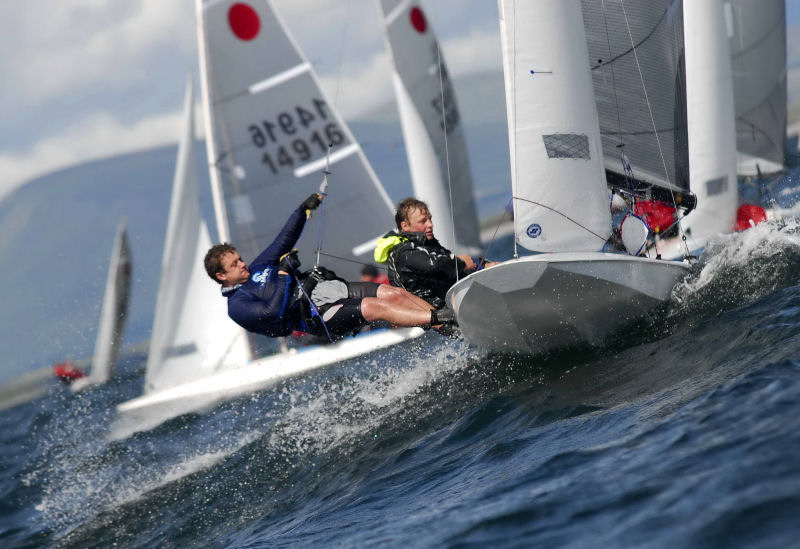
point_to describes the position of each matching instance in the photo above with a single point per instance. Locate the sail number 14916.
(284, 131)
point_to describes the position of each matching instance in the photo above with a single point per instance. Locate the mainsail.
(560, 197)
(757, 31)
(431, 123)
(636, 56)
(192, 334)
(112, 314)
(268, 128)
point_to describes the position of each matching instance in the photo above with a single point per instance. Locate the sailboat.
(112, 315)
(711, 131)
(757, 32)
(431, 125)
(268, 131)
(736, 95)
(581, 99)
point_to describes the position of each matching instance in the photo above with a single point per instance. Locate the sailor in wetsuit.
(265, 297)
(417, 261)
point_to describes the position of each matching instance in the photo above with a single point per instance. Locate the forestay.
(192, 334)
(269, 126)
(431, 123)
(558, 184)
(636, 56)
(757, 31)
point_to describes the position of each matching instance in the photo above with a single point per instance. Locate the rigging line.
(445, 128)
(613, 83)
(652, 119)
(341, 55)
(568, 218)
(497, 228)
(647, 100)
(513, 70)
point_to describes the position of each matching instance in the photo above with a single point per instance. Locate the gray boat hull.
(545, 302)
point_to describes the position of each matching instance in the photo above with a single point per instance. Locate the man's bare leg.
(401, 297)
(405, 313)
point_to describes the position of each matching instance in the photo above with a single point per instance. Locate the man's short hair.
(213, 259)
(405, 207)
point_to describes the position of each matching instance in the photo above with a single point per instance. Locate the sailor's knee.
(391, 293)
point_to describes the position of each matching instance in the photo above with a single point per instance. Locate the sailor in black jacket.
(417, 261)
(265, 297)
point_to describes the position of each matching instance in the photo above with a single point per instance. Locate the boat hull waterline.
(546, 302)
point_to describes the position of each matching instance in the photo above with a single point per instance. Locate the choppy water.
(689, 438)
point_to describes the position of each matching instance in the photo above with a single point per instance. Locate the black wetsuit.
(421, 266)
(273, 304)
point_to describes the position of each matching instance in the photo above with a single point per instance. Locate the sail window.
(567, 145)
(716, 186)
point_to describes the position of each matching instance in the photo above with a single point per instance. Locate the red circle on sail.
(244, 21)
(418, 20)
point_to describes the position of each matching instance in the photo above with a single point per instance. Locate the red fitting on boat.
(658, 216)
(749, 215)
(65, 371)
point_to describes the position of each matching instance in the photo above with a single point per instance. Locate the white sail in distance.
(757, 32)
(192, 334)
(113, 313)
(711, 128)
(431, 124)
(268, 127)
(558, 183)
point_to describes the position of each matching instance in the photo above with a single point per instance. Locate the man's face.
(419, 221)
(234, 270)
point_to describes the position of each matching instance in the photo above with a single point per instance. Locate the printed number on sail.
(284, 131)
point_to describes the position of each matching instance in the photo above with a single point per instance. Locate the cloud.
(96, 137)
(88, 44)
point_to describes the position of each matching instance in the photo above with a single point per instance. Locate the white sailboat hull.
(545, 302)
(152, 409)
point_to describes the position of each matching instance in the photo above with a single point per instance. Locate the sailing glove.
(312, 202)
(290, 262)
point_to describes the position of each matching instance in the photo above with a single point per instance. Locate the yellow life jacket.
(385, 245)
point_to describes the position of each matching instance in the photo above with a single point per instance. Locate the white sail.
(710, 111)
(558, 182)
(112, 315)
(431, 124)
(192, 334)
(757, 32)
(268, 127)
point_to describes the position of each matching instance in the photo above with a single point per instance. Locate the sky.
(87, 79)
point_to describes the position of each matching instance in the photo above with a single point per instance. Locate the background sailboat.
(559, 111)
(757, 32)
(431, 123)
(112, 314)
(268, 127)
(192, 334)
(711, 131)
(265, 116)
